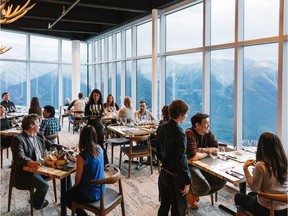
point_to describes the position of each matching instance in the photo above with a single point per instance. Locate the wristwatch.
(203, 150)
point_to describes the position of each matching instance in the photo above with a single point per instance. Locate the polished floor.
(140, 191)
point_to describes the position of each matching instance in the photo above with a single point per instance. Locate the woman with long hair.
(89, 166)
(35, 107)
(110, 104)
(127, 111)
(269, 176)
(95, 110)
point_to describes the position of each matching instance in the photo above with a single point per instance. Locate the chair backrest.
(53, 136)
(274, 197)
(112, 175)
(139, 138)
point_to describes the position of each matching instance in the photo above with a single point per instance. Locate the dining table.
(62, 172)
(228, 167)
(128, 130)
(11, 131)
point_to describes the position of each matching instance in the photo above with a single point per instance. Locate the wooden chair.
(113, 140)
(31, 190)
(63, 115)
(271, 197)
(138, 151)
(5, 145)
(77, 119)
(52, 137)
(109, 200)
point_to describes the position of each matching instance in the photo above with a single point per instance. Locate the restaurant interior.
(225, 58)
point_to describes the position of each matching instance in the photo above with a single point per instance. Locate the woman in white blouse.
(127, 111)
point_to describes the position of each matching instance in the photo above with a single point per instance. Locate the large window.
(184, 28)
(128, 73)
(128, 43)
(17, 42)
(222, 21)
(144, 39)
(118, 98)
(67, 83)
(144, 82)
(222, 95)
(184, 81)
(263, 15)
(43, 48)
(260, 94)
(13, 81)
(44, 80)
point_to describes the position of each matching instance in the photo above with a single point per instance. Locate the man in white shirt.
(143, 112)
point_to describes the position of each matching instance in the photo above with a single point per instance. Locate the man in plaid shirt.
(50, 124)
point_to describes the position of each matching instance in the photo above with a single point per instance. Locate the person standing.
(9, 105)
(269, 176)
(89, 166)
(174, 179)
(200, 141)
(95, 110)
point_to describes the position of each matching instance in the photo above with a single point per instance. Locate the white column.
(154, 62)
(75, 67)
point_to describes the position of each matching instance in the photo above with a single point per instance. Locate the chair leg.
(73, 210)
(112, 152)
(123, 207)
(120, 158)
(1, 158)
(55, 191)
(7, 153)
(212, 199)
(151, 165)
(216, 196)
(11, 185)
(129, 169)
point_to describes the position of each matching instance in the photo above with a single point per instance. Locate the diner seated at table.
(67, 102)
(269, 176)
(35, 107)
(200, 141)
(27, 149)
(77, 105)
(127, 111)
(110, 105)
(9, 105)
(50, 124)
(89, 166)
(143, 113)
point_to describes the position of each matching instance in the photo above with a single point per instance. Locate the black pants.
(169, 192)
(75, 194)
(250, 203)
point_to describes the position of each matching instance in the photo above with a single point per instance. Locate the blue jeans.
(41, 186)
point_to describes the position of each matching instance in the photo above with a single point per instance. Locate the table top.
(135, 130)
(52, 172)
(15, 115)
(220, 167)
(11, 132)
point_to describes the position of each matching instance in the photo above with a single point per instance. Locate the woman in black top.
(95, 110)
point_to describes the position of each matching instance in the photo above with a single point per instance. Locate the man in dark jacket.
(27, 149)
(174, 179)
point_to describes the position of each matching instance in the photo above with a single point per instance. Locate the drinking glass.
(221, 152)
(213, 155)
(118, 119)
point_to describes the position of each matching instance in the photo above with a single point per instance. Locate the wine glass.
(124, 121)
(118, 119)
(221, 152)
(213, 155)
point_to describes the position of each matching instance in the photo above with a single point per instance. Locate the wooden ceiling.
(82, 19)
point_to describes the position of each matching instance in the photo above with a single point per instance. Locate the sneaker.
(192, 200)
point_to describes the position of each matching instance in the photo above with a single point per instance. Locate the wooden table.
(55, 173)
(133, 131)
(15, 115)
(219, 168)
(11, 132)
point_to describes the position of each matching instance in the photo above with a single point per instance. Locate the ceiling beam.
(72, 20)
(58, 30)
(97, 6)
